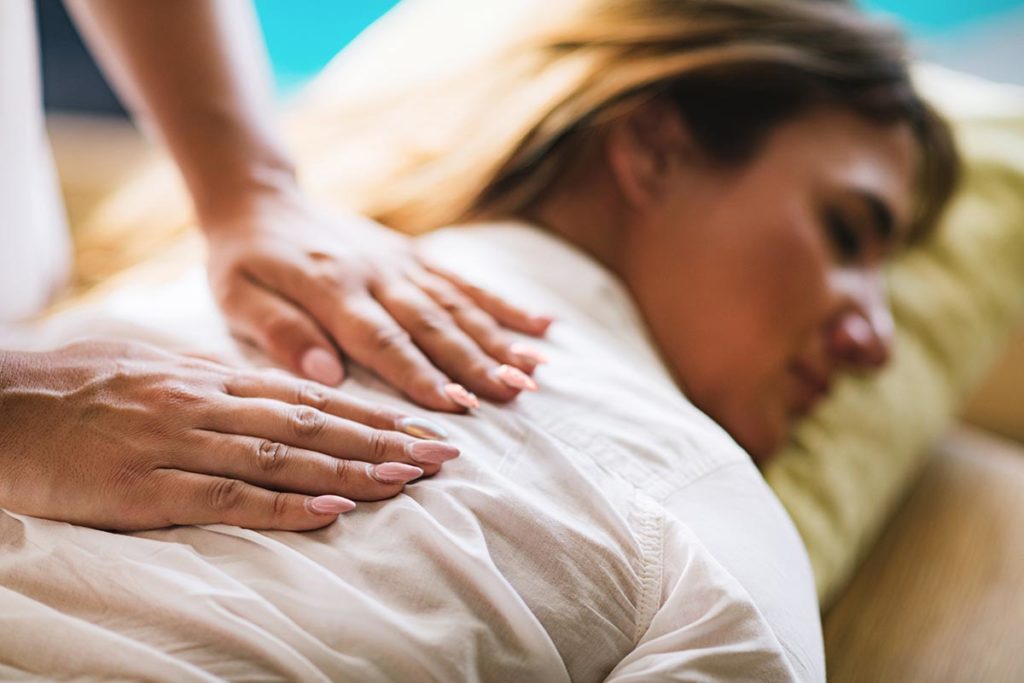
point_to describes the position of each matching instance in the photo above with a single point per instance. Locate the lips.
(813, 385)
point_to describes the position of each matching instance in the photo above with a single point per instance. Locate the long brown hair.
(735, 69)
(486, 140)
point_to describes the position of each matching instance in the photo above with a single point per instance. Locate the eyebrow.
(881, 215)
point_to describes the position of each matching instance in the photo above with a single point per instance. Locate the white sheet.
(601, 529)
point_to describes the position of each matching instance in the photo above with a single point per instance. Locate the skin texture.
(290, 278)
(760, 284)
(125, 436)
(162, 439)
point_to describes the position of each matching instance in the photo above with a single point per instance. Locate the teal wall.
(303, 35)
(930, 17)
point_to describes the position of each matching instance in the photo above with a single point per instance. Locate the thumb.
(286, 334)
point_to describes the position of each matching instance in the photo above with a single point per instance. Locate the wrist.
(230, 199)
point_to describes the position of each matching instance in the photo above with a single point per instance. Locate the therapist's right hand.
(124, 436)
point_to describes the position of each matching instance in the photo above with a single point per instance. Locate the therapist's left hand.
(302, 285)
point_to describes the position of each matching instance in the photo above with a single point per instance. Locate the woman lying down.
(706, 206)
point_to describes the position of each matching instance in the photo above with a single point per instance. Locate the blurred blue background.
(931, 17)
(985, 37)
(981, 36)
(303, 36)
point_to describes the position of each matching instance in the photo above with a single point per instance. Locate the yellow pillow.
(956, 303)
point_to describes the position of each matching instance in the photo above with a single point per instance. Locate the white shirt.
(600, 529)
(34, 241)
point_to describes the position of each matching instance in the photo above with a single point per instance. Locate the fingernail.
(422, 429)
(322, 366)
(515, 378)
(431, 452)
(395, 472)
(461, 395)
(528, 353)
(543, 322)
(329, 505)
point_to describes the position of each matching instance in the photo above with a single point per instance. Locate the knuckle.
(233, 383)
(179, 394)
(384, 340)
(129, 476)
(380, 445)
(307, 421)
(225, 494)
(279, 505)
(312, 394)
(343, 471)
(330, 277)
(456, 306)
(432, 325)
(271, 456)
(382, 416)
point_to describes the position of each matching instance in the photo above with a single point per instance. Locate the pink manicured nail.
(421, 428)
(329, 505)
(528, 352)
(395, 472)
(543, 322)
(431, 452)
(321, 366)
(515, 378)
(461, 395)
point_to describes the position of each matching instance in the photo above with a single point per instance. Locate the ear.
(645, 148)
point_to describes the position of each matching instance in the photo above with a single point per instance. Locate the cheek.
(772, 292)
(743, 306)
(787, 281)
(786, 302)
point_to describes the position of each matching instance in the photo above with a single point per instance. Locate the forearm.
(196, 72)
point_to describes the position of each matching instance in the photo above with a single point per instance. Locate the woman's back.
(601, 524)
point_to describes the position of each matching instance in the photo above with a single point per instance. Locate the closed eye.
(845, 238)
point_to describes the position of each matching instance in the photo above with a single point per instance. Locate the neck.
(585, 209)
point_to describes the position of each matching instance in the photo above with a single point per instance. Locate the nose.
(861, 335)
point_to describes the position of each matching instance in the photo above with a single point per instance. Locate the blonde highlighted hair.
(488, 138)
(735, 69)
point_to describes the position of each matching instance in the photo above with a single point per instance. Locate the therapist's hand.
(125, 436)
(302, 285)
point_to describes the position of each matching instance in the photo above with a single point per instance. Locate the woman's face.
(762, 283)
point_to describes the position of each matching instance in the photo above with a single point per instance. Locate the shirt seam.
(650, 534)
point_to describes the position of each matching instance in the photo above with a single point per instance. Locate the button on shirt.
(600, 529)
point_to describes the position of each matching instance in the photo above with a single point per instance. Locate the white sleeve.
(707, 628)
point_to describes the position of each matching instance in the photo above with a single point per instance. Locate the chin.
(760, 438)
(759, 423)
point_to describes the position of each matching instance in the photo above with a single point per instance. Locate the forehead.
(835, 151)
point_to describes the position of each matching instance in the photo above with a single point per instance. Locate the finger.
(445, 343)
(190, 498)
(478, 324)
(306, 427)
(284, 332)
(512, 317)
(277, 466)
(303, 392)
(371, 336)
